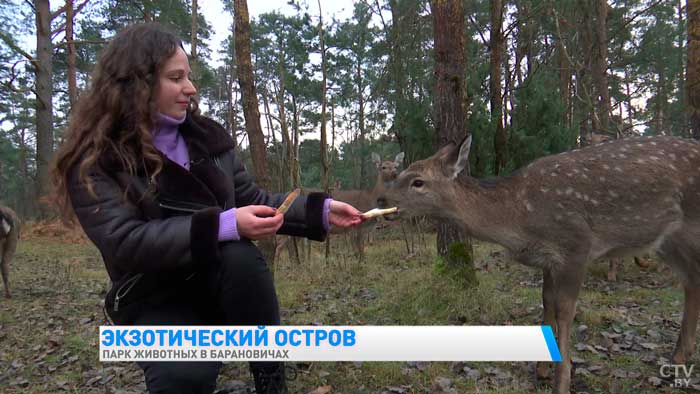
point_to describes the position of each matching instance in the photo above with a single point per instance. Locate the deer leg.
(360, 244)
(614, 263)
(5, 267)
(567, 286)
(549, 317)
(686, 338)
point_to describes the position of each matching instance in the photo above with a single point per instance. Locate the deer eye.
(417, 183)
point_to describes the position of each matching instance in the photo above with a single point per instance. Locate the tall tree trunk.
(44, 107)
(692, 86)
(361, 120)
(661, 101)
(25, 193)
(630, 107)
(496, 46)
(324, 140)
(231, 105)
(584, 105)
(295, 126)
(193, 32)
(397, 76)
(196, 69)
(601, 67)
(565, 67)
(71, 56)
(292, 161)
(252, 113)
(230, 119)
(681, 72)
(450, 116)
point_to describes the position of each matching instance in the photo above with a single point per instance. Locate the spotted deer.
(9, 235)
(365, 200)
(613, 199)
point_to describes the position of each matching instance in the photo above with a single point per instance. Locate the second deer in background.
(364, 200)
(9, 236)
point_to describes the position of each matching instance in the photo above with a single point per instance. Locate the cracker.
(373, 213)
(288, 201)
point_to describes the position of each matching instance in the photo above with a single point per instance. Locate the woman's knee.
(242, 260)
(181, 377)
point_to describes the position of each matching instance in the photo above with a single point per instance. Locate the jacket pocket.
(124, 290)
(127, 300)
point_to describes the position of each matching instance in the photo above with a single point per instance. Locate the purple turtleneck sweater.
(167, 140)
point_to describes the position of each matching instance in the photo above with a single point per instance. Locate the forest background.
(539, 78)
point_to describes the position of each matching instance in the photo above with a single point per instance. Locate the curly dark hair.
(116, 114)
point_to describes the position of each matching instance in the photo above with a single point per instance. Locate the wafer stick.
(288, 201)
(373, 213)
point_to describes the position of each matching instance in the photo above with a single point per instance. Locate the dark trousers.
(239, 291)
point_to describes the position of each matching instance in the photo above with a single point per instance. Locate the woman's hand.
(344, 215)
(258, 221)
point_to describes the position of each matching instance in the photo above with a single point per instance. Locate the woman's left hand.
(344, 215)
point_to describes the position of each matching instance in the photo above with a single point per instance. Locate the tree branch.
(80, 42)
(13, 45)
(30, 4)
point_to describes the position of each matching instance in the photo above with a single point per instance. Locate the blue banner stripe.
(551, 343)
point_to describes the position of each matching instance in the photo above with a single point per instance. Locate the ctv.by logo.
(680, 373)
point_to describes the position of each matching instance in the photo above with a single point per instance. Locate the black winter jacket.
(172, 227)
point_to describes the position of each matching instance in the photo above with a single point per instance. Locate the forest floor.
(623, 332)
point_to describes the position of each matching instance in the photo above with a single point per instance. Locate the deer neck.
(489, 210)
(379, 187)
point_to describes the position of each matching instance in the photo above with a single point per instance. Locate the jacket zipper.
(128, 284)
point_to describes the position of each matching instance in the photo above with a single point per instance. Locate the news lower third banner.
(328, 343)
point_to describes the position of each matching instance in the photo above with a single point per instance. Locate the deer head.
(428, 187)
(388, 170)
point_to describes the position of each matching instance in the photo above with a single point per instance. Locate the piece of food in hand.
(373, 213)
(288, 201)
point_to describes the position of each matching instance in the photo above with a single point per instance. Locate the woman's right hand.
(258, 221)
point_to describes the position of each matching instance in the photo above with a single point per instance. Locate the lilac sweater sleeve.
(228, 227)
(326, 213)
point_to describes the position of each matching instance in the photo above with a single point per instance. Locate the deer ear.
(399, 159)
(462, 157)
(376, 159)
(5, 226)
(444, 154)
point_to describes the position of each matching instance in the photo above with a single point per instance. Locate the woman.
(162, 194)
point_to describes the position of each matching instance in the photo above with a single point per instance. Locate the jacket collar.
(204, 137)
(204, 182)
